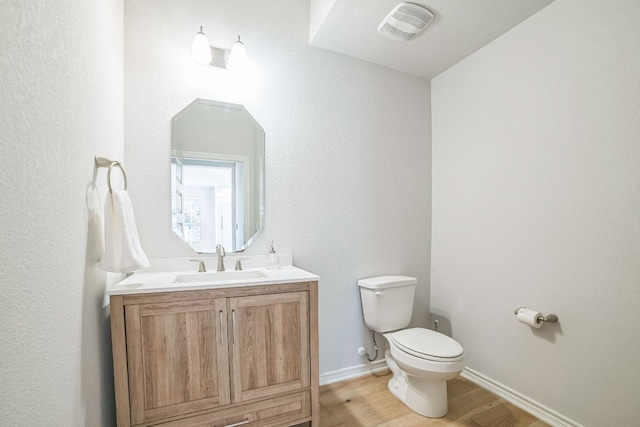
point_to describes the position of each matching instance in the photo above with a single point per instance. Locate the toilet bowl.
(421, 360)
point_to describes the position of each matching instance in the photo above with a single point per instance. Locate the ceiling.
(459, 28)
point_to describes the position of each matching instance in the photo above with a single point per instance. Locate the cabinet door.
(178, 358)
(270, 344)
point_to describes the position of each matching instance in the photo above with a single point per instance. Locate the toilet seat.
(427, 344)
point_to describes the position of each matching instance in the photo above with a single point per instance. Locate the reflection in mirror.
(217, 176)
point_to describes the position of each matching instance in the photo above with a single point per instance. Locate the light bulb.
(238, 59)
(200, 49)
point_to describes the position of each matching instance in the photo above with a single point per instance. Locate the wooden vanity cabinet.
(217, 357)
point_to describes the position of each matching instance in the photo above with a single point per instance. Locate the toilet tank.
(387, 302)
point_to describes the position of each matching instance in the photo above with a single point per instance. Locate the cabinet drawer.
(280, 411)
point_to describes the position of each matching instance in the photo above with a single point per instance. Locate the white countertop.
(165, 281)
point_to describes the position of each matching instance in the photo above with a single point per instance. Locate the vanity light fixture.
(203, 53)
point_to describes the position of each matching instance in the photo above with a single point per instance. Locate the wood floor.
(366, 401)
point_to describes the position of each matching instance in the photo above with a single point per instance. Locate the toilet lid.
(427, 344)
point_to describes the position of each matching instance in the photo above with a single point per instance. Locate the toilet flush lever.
(378, 293)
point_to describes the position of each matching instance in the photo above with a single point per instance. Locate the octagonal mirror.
(217, 176)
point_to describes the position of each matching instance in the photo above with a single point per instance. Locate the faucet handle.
(239, 263)
(201, 267)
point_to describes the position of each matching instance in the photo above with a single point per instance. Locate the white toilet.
(421, 360)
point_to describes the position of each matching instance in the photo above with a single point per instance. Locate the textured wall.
(347, 148)
(536, 194)
(61, 94)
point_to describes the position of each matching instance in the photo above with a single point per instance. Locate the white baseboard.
(352, 372)
(531, 406)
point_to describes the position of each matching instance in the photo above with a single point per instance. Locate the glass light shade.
(200, 49)
(238, 59)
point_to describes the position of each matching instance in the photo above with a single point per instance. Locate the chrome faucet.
(201, 268)
(221, 254)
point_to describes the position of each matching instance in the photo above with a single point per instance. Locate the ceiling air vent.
(405, 21)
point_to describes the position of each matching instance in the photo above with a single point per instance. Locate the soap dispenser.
(273, 260)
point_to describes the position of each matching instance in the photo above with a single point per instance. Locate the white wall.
(347, 149)
(61, 91)
(536, 195)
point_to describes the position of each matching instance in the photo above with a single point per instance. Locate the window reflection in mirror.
(217, 176)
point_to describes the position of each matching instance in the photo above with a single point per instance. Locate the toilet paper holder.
(549, 318)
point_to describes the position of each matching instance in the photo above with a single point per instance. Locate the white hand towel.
(123, 252)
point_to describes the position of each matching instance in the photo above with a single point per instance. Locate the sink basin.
(219, 276)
